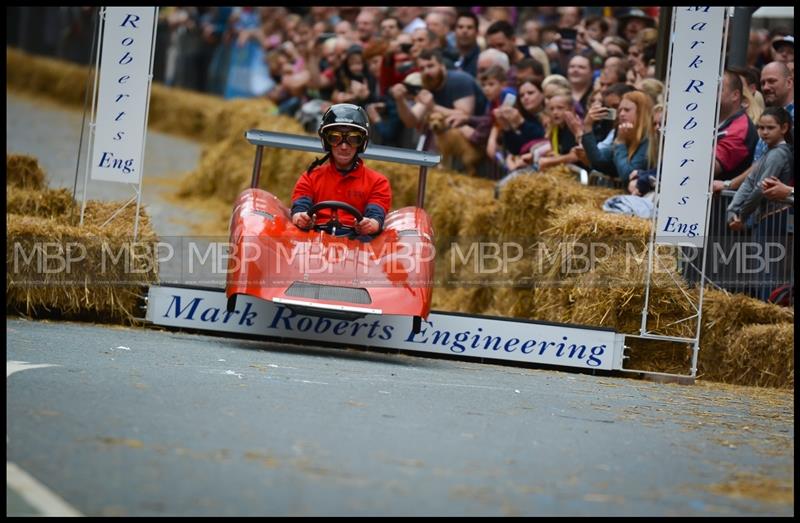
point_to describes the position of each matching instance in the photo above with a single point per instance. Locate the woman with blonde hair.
(553, 83)
(754, 102)
(654, 88)
(752, 99)
(629, 152)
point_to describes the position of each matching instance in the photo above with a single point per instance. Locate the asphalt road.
(133, 421)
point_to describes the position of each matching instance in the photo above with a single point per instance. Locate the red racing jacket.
(363, 188)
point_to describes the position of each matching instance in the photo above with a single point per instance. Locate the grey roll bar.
(383, 153)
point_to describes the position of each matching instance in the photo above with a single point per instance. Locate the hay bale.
(528, 201)
(724, 313)
(23, 171)
(757, 355)
(724, 356)
(47, 203)
(63, 271)
(587, 222)
(58, 269)
(187, 113)
(451, 199)
(61, 81)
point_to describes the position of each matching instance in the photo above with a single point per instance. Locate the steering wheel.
(334, 224)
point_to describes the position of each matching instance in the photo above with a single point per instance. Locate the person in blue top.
(629, 151)
(774, 128)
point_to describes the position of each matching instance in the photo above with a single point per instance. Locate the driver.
(344, 132)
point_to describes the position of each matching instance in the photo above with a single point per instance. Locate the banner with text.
(441, 333)
(691, 123)
(123, 94)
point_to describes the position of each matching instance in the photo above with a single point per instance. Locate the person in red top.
(344, 132)
(736, 134)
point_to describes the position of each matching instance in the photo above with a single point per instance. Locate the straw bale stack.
(87, 289)
(732, 353)
(106, 285)
(57, 269)
(62, 81)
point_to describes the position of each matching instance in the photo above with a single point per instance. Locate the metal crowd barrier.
(757, 261)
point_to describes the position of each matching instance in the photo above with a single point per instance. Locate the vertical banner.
(123, 94)
(691, 123)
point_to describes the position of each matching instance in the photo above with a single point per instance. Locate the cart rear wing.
(384, 153)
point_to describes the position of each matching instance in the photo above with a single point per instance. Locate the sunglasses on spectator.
(334, 138)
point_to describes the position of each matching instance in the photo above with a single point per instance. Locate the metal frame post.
(257, 167)
(643, 332)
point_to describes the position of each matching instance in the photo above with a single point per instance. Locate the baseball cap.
(784, 40)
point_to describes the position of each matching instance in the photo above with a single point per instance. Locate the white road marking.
(231, 373)
(36, 494)
(122, 348)
(25, 485)
(16, 366)
(312, 382)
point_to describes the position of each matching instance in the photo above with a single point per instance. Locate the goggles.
(353, 138)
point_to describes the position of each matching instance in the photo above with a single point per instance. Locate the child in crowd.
(493, 81)
(353, 81)
(774, 127)
(562, 141)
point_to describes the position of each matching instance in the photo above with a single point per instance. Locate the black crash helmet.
(345, 114)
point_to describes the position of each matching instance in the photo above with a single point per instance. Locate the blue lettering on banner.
(466, 341)
(458, 343)
(107, 160)
(674, 225)
(285, 319)
(694, 62)
(130, 19)
(176, 301)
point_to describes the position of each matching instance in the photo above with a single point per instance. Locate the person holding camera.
(629, 150)
(353, 81)
(454, 93)
(397, 62)
(517, 125)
